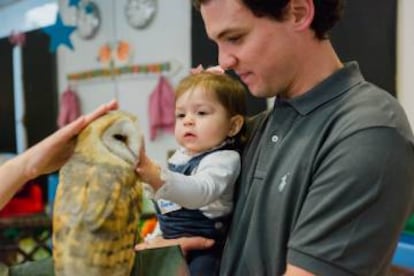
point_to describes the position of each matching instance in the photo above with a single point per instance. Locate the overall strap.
(193, 163)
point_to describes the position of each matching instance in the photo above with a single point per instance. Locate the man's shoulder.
(366, 106)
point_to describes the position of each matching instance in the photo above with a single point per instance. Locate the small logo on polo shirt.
(283, 182)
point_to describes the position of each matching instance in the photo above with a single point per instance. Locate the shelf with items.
(25, 238)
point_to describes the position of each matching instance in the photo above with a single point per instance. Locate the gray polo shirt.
(327, 182)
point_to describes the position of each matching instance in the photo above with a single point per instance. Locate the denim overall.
(186, 222)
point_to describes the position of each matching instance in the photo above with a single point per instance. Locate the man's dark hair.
(327, 12)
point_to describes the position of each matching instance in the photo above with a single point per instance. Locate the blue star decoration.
(89, 8)
(73, 3)
(59, 34)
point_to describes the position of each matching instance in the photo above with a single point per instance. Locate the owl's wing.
(104, 192)
(89, 193)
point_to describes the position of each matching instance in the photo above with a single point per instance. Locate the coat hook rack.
(168, 69)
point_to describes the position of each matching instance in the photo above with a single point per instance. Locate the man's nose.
(226, 60)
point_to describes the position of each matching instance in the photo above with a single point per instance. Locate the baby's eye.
(179, 115)
(202, 113)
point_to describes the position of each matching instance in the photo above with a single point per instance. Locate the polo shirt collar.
(330, 88)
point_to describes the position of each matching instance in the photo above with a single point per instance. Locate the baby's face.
(202, 122)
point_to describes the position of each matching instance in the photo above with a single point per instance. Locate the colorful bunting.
(154, 68)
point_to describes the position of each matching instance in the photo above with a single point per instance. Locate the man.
(327, 179)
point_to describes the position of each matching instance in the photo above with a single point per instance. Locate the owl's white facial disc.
(123, 140)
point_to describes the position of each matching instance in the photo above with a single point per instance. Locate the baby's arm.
(216, 174)
(214, 178)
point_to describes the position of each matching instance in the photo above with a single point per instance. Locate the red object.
(17, 38)
(162, 108)
(27, 201)
(69, 109)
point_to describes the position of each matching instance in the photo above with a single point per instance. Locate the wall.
(361, 36)
(405, 57)
(167, 38)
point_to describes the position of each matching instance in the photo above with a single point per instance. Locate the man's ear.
(236, 123)
(302, 13)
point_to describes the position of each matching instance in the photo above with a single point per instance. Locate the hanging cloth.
(69, 109)
(161, 108)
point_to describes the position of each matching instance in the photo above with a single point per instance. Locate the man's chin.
(259, 93)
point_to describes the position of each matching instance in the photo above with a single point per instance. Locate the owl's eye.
(120, 137)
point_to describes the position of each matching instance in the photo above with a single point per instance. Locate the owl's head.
(114, 136)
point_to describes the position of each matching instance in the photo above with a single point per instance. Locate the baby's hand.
(148, 170)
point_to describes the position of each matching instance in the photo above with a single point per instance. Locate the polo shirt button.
(275, 138)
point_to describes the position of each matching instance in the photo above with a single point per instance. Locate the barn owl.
(98, 201)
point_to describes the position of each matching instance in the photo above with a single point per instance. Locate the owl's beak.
(135, 156)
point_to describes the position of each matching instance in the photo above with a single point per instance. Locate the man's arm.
(186, 243)
(292, 270)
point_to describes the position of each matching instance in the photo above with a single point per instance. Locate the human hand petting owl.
(98, 200)
(46, 156)
(51, 153)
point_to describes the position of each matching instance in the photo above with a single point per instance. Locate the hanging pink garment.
(69, 108)
(161, 108)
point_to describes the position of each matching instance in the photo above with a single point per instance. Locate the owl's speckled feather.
(98, 201)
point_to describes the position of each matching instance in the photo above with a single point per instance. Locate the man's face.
(259, 49)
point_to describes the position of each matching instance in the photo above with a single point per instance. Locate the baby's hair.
(229, 92)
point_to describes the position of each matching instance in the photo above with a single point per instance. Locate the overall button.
(275, 138)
